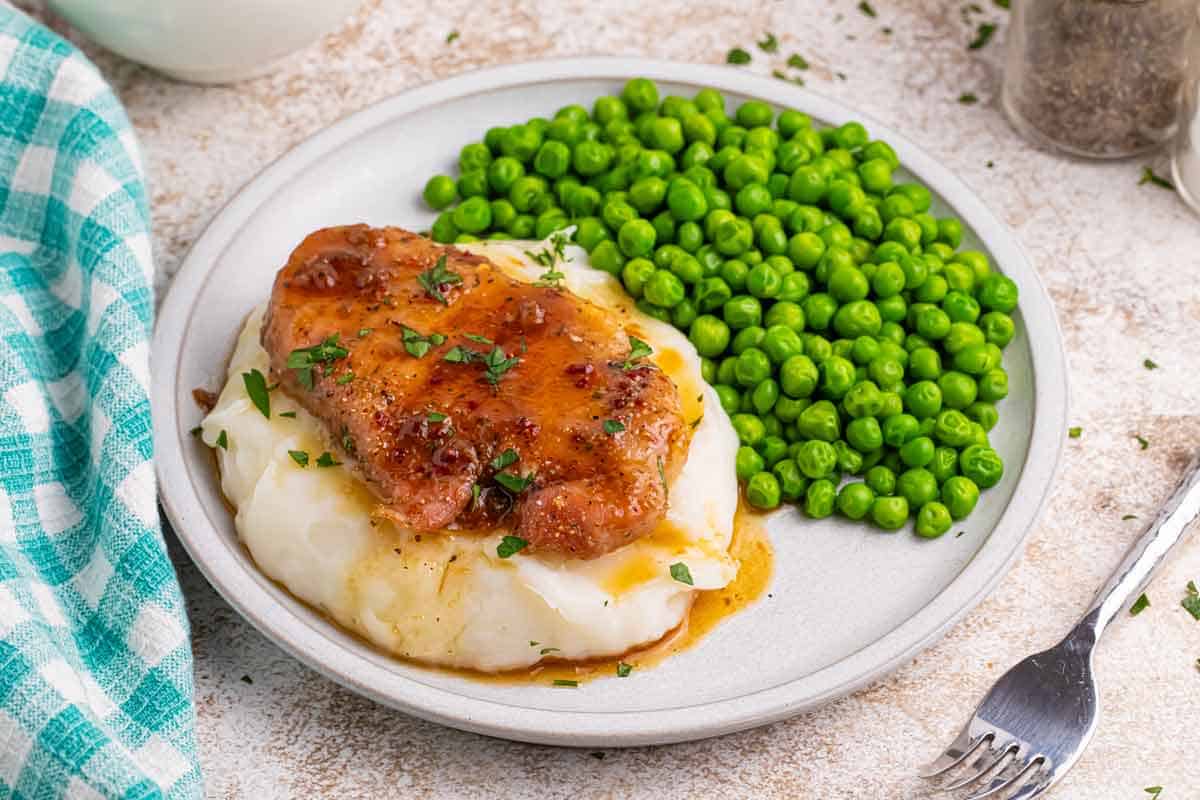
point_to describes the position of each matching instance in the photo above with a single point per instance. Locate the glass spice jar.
(1096, 78)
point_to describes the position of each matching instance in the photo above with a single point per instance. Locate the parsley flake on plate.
(417, 345)
(564, 682)
(1142, 441)
(1148, 364)
(769, 44)
(968, 99)
(434, 279)
(514, 483)
(256, 388)
(327, 460)
(681, 573)
(867, 9)
(983, 35)
(288, 414)
(299, 456)
(797, 61)
(1139, 605)
(1149, 176)
(501, 461)
(451, 36)
(1191, 603)
(303, 360)
(510, 546)
(737, 56)
(1075, 432)
(612, 426)
(623, 669)
(223, 440)
(435, 416)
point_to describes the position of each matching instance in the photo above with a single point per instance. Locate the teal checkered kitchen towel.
(95, 663)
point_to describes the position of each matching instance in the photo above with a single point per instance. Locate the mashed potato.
(447, 598)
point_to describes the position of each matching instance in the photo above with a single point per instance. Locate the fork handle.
(1147, 553)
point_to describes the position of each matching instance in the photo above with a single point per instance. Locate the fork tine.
(982, 766)
(1033, 788)
(958, 751)
(1017, 773)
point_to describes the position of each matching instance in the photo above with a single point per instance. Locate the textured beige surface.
(1122, 262)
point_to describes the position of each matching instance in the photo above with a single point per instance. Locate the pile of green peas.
(851, 342)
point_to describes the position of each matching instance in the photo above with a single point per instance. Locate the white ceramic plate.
(847, 604)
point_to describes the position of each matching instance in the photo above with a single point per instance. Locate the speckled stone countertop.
(1122, 263)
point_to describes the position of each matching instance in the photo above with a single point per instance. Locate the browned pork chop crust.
(530, 369)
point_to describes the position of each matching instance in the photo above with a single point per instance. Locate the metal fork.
(1036, 721)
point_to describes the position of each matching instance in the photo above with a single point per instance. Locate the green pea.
(997, 327)
(859, 318)
(640, 94)
(982, 413)
(521, 142)
(944, 464)
(899, 429)
(863, 400)
(763, 491)
(747, 338)
(959, 495)
(961, 307)
(973, 359)
(923, 399)
(443, 229)
(933, 520)
(950, 231)
(751, 367)
(917, 486)
(709, 335)
(881, 480)
(892, 333)
(473, 215)
(635, 273)
(863, 434)
(663, 288)
(683, 314)
(958, 390)
(782, 343)
(817, 347)
(886, 372)
(748, 462)
(746, 169)
(816, 459)
(763, 282)
(805, 250)
(849, 460)
(749, 428)
(473, 184)
(953, 428)
(522, 228)
(848, 283)
(819, 499)
(789, 409)
(961, 336)
(837, 376)
(918, 452)
(474, 156)
(752, 199)
(440, 192)
(979, 266)
(728, 396)
(819, 310)
(636, 238)
(742, 311)
(982, 465)
(592, 158)
(998, 293)
(926, 364)
(792, 482)
(854, 500)
(764, 395)
(890, 513)
(607, 257)
(820, 421)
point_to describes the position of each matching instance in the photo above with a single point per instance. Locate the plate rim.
(977, 579)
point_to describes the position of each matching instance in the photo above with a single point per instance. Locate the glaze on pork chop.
(433, 369)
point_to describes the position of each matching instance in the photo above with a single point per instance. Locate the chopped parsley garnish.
(495, 363)
(475, 337)
(612, 426)
(1075, 432)
(364, 332)
(501, 461)
(564, 682)
(345, 378)
(299, 456)
(476, 490)
(514, 483)
(1002, 3)
(1191, 603)
(223, 440)
(662, 473)
(550, 279)
(288, 414)
(1128, 517)
(637, 350)
(783, 76)
(510, 545)
(769, 44)
(1153, 791)
(1149, 176)
(1139, 605)
(532, 643)
(549, 257)
(196, 431)
(435, 416)
(1148, 364)
(1142, 441)
(326, 460)
(623, 669)
(256, 387)
(451, 36)
(737, 56)
(797, 61)
(983, 35)
(960, 533)
(547, 651)
(304, 359)
(681, 573)
(417, 345)
(347, 440)
(433, 279)
(866, 8)
(968, 99)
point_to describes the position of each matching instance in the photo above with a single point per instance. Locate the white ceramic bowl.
(847, 604)
(204, 41)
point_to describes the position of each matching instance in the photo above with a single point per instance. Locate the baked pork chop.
(471, 400)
